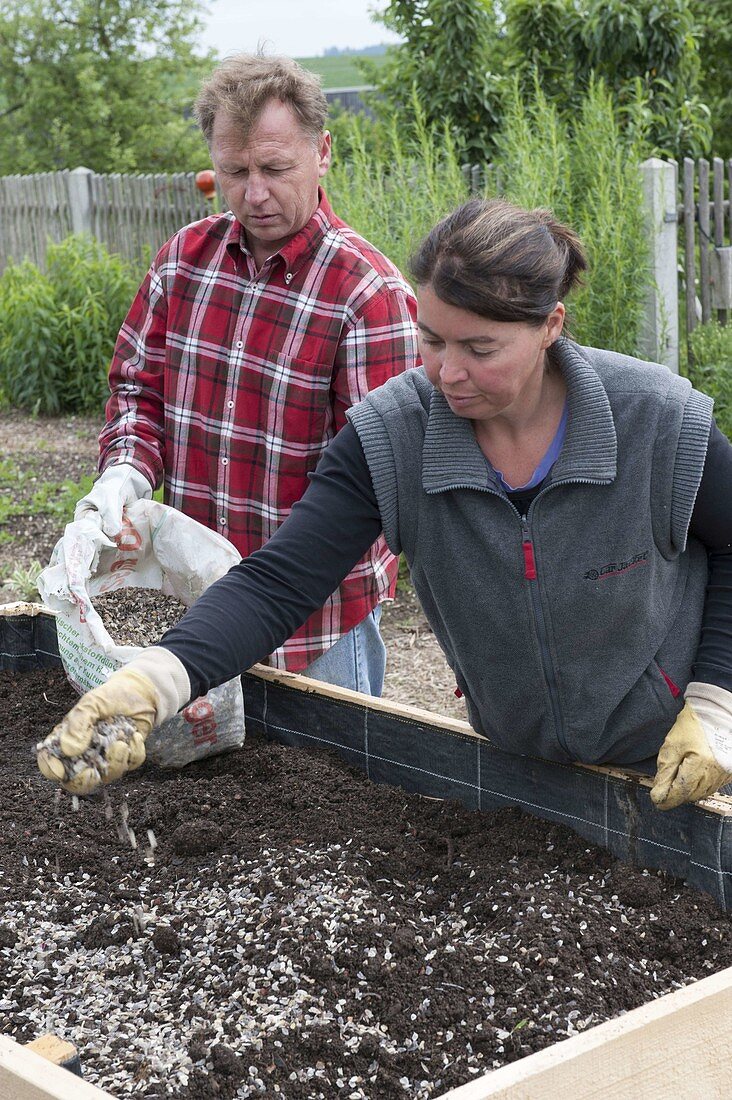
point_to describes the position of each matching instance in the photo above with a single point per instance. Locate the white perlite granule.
(106, 732)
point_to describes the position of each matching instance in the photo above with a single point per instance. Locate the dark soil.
(286, 928)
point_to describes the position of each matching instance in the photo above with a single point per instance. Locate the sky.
(299, 28)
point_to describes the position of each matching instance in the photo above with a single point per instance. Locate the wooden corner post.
(660, 336)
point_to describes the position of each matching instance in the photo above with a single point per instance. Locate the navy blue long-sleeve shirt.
(265, 598)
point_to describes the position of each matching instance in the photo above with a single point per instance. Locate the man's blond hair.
(243, 84)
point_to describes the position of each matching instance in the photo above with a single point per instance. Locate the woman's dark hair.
(500, 261)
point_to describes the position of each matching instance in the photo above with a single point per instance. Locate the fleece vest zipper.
(532, 579)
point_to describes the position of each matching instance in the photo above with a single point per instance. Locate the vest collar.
(452, 459)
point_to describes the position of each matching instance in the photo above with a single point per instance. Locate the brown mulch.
(56, 449)
(276, 925)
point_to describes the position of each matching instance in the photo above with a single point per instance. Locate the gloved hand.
(695, 760)
(114, 489)
(104, 735)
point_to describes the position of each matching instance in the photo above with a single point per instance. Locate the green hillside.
(339, 71)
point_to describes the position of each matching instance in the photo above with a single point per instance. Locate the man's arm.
(236, 622)
(380, 343)
(134, 431)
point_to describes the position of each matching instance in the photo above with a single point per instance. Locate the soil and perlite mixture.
(269, 923)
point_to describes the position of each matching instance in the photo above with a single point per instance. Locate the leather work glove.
(104, 735)
(114, 489)
(695, 760)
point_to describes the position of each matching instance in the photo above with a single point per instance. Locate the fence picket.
(689, 216)
(704, 238)
(718, 193)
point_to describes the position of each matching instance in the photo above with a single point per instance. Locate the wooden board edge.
(25, 1075)
(8, 610)
(719, 804)
(678, 1045)
(356, 698)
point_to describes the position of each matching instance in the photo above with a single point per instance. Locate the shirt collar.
(302, 247)
(452, 458)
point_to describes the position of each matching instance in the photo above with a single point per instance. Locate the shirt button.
(224, 462)
(240, 343)
(223, 521)
(288, 277)
(230, 404)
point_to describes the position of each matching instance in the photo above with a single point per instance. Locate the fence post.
(660, 335)
(80, 200)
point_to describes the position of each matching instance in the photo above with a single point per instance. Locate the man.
(251, 335)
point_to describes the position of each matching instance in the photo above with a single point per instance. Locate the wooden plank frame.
(679, 1044)
(25, 1075)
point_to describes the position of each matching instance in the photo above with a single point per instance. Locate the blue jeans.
(357, 660)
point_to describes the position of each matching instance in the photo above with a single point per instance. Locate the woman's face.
(484, 368)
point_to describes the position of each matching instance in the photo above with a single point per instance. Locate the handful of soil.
(138, 616)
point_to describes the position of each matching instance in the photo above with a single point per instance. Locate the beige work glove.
(104, 735)
(115, 488)
(695, 760)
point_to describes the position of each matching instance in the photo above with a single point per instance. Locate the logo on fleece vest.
(617, 568)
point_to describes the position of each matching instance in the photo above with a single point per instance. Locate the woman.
(562, 510)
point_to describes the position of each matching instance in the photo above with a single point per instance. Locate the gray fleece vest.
(571, 632)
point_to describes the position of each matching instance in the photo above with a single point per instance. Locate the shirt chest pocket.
(289, 400)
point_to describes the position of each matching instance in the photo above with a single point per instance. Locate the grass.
(59, 500)
(395, 198)
(339, 72)
(25, 580)
(52, 498)
(709, 367)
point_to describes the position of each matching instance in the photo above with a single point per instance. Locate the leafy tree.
(542, 38)
(100, 83)
(644, 46)
(714, 25)
(449, 59)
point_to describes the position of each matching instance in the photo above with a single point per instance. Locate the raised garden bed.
(287, 927)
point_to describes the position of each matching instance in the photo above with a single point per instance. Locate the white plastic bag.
(159, 548)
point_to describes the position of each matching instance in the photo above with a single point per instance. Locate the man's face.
(270, 181)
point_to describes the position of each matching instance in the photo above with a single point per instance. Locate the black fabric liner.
(692, 842)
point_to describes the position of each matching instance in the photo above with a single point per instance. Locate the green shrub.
(59, 328)
(393, 195)
(588, 174)
(393, 185)
(710, 368)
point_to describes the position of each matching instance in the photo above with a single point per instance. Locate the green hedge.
(58, 329)
(710, 368)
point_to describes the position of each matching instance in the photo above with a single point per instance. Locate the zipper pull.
(529, 563)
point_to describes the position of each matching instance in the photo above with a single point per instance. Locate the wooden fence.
(134, 214)
(131, 214)
(33, 210)
(705, 215)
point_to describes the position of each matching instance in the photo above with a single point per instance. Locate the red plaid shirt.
(227, 384)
